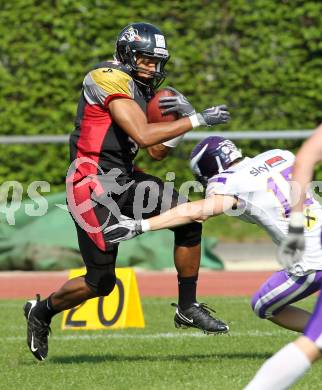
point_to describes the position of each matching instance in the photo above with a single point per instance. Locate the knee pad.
(106, 284)
(188, 235)
(101, 281)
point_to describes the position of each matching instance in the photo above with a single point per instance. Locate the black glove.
(125, 229)
(177, 104)
(213, 116)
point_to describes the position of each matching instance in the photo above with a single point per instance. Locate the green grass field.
(157, 357)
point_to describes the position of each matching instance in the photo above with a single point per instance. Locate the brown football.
(154, 113)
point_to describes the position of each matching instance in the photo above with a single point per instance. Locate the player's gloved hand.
(125, 229)
(177, 104)
(292, 247)
(211, 116)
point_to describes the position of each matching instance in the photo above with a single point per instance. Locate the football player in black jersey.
(102, 182)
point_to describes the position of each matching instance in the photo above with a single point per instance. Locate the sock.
(187, 291)
(44, 310)
(282, 370)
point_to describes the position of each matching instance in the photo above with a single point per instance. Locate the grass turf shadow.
(85, 358)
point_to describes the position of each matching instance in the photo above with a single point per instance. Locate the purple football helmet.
(213, 155)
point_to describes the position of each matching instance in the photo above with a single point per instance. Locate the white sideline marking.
(153, 336)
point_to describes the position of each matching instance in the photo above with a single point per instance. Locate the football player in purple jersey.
(291, 362)
(257, 190)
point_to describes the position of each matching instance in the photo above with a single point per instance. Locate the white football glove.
(291, 249)
(125, 229)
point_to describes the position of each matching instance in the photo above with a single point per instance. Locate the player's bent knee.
(106, 284)
(101, 283)
(188, 235)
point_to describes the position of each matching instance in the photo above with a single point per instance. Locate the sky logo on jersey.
(258, 170)
(275, 161)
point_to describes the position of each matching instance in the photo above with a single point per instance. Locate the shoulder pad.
(107, 81)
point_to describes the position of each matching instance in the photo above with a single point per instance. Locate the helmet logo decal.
(229, 151)
(226, 149)
(227, 146)
(159, 40)
(131, 35)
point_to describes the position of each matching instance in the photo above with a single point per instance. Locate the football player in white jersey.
(256, 190)
(296, 357)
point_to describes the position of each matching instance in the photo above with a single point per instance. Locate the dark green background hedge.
(262, 57)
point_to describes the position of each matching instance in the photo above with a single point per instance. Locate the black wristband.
(296, 229)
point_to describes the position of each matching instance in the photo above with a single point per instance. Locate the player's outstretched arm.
(199, 211)
(181, 215)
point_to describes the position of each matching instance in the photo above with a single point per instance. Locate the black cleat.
(198, 316)
(37, 331)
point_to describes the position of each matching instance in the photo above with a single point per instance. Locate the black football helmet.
(147, 40)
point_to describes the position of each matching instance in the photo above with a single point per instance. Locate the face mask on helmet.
(213, 155)
(143, 40)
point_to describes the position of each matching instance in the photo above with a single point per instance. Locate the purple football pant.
(281, 290)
